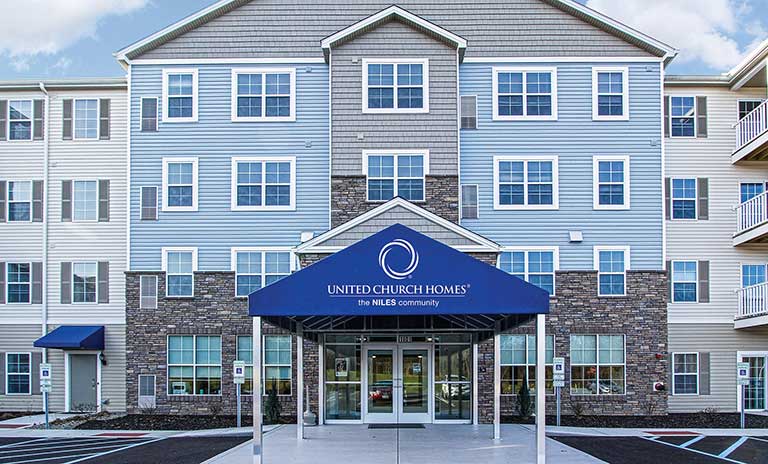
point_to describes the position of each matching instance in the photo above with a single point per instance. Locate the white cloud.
(35, 27)
(62, 64)
(703, 30)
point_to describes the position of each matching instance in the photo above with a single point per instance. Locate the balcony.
(753, 306)
(752, 136)
(752, 221)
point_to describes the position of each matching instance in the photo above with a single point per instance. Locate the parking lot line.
(145, 442)
(67, 450)
(22, 442)
(732, 448)
(59, 450)
(691, 441)
(691, 450)
(60, 444)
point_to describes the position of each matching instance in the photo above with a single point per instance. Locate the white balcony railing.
(753, 301)
(752, 213)
(752, 125)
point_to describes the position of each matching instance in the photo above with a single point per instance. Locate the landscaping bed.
(166, 422)
(699, 420)
(14, 415)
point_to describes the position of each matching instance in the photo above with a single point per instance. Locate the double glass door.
(397, 384)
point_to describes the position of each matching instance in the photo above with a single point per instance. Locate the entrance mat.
(395, 426)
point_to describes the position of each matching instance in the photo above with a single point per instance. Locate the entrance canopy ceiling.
(399, 279)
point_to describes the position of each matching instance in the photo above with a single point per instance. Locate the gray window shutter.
(37, 358)
(103, 201)
(104, 109)
(669, 281)
(149, 114)
(3, 187)
(701, 117)
(704, 376)
(2, 282)
(66, 283)
(668, 198)
(469, 112)
(3, 119)
(38, 123)
(2, 373)
(149, 204)
(66, 200)
(703, 199)
(66, 122)
(667, 123)
(703, 281)
(103, 275)
(37, 283)
(37, 201)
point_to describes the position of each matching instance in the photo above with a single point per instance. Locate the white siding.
(18, 338)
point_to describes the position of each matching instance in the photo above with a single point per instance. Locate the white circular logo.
(398, 274)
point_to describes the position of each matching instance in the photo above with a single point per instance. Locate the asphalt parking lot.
(693, 449)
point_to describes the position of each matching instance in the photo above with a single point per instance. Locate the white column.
(257, 389)
(541, 411)
(497, 384)
(300, 382)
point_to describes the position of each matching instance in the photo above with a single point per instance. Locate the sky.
(76, 38)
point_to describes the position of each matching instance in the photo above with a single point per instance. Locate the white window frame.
(396, 61)
(74, 200)
(596, 93)
(74, 119)
(8, 282)
(247, 365)
(555, 260)
(695, 118)
(264, 365)
(72, 283)
(141, 114)
(8, 373)
(263, 250)
(31, 120)
(597, 362)
(695, 199)
(527, 365)
(173, 71)
(596, 182)
(141, 291)
(741, 271)
(744, 100)
(695, 281)
(525, 159)
(8, 201)
(263, 160)
(525, 70)
(165, 251)
(596, 254)
(477, 200)
(194, 364)
(195, 177)
(263, 118)
(138, 386)
(675, 374)
(396, 154)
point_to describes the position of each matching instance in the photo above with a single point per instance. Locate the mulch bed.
(14, 415)
(689, 420)
(167, 422)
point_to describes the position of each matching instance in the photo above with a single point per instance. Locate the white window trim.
(72, 284)
(141, 114)
(596, 182)
(674, 374)
(555, 250)
(31, 120)
(154, 385)
(527, 364)
(598, 364)
(477, 198)
(8, 283)
(194, 364)
(477, 112)
(98, 193)
(625, 94)
(695, 199)
(741, 270)
(627, 266)
(525, 206)
(141, 202)
(165, 251)
(8, 201)
(8, 374)
(744, 100)
(167, 72)
(165, 207)
(396, 153)
(695, 282)
(695, 118)
(233, 261)
(395, 61)
(141, 291)
(524, 70)
(237, 71)
(264, 363)
(261, 159)
(74, 119)
(247, 365)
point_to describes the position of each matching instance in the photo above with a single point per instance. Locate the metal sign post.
(45, 388)
(239, 376)
(558, 380)
(742, 375)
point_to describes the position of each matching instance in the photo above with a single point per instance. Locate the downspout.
(46, 149)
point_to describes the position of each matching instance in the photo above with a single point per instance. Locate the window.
(20, 120)
(18, 377)
(748, 106)
(752, 274)
(684, 281)
(389, 173)
(525, 183)
(610, 94)
(86, 119)
(19, 201)
(179, 265)
(84, 276)
(149, 204)
(749, 190)
(180, 95)
(611, 182)
(611, 264)
(264, 95)
(277, 364)
(180, 184)
(597, 365)
(194, 365)
(683, 114)
(685, 374)
(469, 112)
(401, 86)
(147, 392)
(263, 184)
(19, 283)
(149, 114)
(684, 198)
(470, 208)
(534, 266)
(518, 363)
(245, 354)
(256, 269)
(148, 292)
(86, 200)
(524, 94)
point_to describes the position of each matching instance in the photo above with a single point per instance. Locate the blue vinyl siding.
(214, 140)
(575, 138)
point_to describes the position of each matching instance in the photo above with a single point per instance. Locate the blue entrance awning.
(73, 337)
(399, 272)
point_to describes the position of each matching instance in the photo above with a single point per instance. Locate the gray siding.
(268, 28)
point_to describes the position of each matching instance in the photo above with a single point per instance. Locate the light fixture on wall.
(102, 359)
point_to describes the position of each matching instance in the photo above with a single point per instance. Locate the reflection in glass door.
(380, 385)
(414, 404)
(754, 394)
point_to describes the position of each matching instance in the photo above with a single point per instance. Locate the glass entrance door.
(754, 393)
(380, 402)
(415, 386)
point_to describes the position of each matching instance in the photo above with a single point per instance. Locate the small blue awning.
(73, 337)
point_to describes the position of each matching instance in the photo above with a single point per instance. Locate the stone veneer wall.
(214, 310)
(349, 198)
